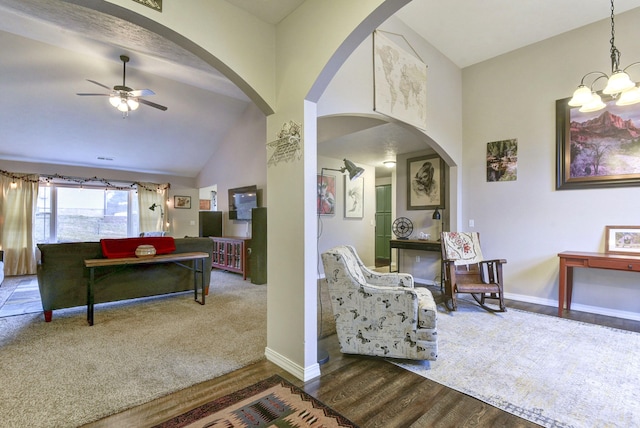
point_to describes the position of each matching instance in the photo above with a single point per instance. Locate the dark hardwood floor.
(369, 391)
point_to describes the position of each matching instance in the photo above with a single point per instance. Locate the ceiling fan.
(123, 97)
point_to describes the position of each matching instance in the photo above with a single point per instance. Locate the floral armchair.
(380, 314)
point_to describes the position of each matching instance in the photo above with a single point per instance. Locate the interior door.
(383, 225)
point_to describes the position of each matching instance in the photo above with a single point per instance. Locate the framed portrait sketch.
(622, 240)
(597, 149)
(182, 202)
(353, 197)
(326, 194)
(425, 183)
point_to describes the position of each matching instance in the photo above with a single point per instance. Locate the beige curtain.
(17, 208)
(149, 194)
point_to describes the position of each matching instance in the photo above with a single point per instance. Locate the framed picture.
(502, 160)
(205, 205)
(425, 183)
(622, 240)
(353, 197)
(399, 81)
(326, 194)
(597, 149)
(182, 202)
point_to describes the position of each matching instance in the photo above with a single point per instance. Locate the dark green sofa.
(62, 277)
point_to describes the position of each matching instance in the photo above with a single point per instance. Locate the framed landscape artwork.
(622, 240)
(326, 194)
(425, 183)
(502, 160)
(353, 197)
(597, 149)
(182, 202)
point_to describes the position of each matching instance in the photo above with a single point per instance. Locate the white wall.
(336, 229)
(527, 221)
(239, 161)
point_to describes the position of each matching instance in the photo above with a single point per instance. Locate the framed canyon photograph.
(597, 149)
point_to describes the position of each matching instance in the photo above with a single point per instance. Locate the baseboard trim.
(302, 373)
(609, 312)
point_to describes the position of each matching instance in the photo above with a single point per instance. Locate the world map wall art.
(400, 82)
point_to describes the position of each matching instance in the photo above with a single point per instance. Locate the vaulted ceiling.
(50, 49)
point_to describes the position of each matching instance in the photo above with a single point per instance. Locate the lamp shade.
(581, 96)
(436, 215)
(594, 105)
(618, 82)
(629, 97)
(353, 170)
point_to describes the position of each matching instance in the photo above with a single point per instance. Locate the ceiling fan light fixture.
(114, 99)
(123, 106)
(133, 103)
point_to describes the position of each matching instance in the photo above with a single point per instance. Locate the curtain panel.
(17, 210)
(152, 220)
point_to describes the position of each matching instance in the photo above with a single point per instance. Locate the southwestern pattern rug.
(273, 402)
(552, 371)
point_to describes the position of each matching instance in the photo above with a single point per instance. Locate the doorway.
(383, 225)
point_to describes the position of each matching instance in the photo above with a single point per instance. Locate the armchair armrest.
(392, 279)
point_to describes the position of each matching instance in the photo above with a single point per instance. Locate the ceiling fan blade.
(91, 95)
(149, 103)
(141, 93)
(99, 84)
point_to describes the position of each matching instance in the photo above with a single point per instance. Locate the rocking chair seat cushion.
(477, 288)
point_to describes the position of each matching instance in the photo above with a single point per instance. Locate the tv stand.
(230, 253)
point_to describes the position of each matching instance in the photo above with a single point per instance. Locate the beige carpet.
(65, 373)
(552, 371)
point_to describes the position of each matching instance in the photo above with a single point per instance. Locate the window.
(67, 213)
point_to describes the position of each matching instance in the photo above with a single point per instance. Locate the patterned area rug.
(273, 402)
(552, 371)
(23, 299)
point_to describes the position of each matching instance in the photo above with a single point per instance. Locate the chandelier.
(618, 84)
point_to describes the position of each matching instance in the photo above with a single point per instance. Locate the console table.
(92, 264)
(571, 259)
(412, 244)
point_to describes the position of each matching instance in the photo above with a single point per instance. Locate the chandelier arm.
(590, 73)
(598, 78)
(630, 65)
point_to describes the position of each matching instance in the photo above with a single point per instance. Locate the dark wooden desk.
(92, 264)
(412, 244)
(571, 259)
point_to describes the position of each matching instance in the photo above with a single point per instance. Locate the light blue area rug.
(551, 371)
(24, 299)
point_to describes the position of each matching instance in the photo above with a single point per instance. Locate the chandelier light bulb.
(594, 105)
(581, 96)
(618, 82)
(628, 97)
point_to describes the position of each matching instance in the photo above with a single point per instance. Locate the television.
(241, 201)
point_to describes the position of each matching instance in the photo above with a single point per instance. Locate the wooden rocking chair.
(465, 270)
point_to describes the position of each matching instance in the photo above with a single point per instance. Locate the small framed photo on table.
(622, 240)
(182, 202)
